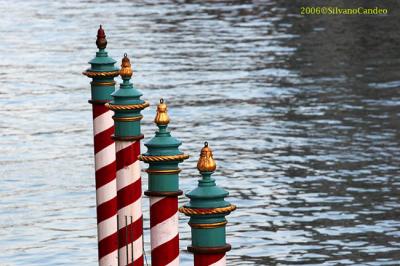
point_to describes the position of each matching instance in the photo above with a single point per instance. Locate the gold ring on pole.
(127, 119)
(192, 211)
(213, 225)
(139, 106)
(102, 83)
(163, 158)
(163, 172)
(93, 74)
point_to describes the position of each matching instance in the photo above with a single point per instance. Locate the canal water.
(302, 114)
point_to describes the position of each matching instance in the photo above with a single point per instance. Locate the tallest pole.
(102, 72)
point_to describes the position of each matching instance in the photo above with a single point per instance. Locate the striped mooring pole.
(102, 72)
(207, 210)
(163, 157)
(127, 106)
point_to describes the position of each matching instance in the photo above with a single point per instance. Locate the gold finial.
(162, 117)
(126, 70)
(206, 161)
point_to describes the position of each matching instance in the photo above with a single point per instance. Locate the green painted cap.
(207, 195)
(127, 94)
(102, 62)
(163, 144)
(102, 71)
(127, 105)
(163, 156)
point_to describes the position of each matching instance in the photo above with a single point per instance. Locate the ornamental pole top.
(101, 41)
(162, 118)
(126, 68)
(163, 147)
(206, 161)
(207, 194)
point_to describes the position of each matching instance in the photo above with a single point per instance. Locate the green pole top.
(163, 144)
(207, 209)
(102, 71)
(207, 195)
(102, 66)
(163, 156)
(127, 105)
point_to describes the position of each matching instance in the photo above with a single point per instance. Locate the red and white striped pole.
(130, 218)
(163, 157)
(127, 106)
(106, 187)
(164, 231)
(102, 72)
(210, 259)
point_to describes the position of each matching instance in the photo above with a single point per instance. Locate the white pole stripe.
(106, 192)
(105, 157)
(107, 227)
(164, 231)
(137, 251)
(154, 200)
(109, 259)
(120, 145)
(128, 175)
(221, 262)
(134, 210)
(103, 122)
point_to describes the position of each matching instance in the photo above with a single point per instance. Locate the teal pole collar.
(163, 156)
(127, 106)
(207, 209)
(102, 71)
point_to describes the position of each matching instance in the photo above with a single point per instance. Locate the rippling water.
(302, 114)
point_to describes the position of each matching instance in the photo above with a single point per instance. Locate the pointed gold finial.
(206, 161)
(126, 69)
(162, 117)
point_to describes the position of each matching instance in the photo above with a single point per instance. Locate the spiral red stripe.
(129, 193)
(106, 190)
(99, 109)
(106, 245)
(102, 140)
(164, 231)
(106, 210)
(128, 154)
(210, 259)
(135, 231)
(166, 253)
(162, 210)
(139, 261)
(105, 175)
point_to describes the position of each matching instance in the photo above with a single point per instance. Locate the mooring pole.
(127, 106)
(163, 157)
(102, 72)
(207, 210)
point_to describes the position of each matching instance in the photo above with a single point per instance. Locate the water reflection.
(302, 113)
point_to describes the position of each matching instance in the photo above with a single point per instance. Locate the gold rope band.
(203, 226)
(191, 211)
(163, 158)
(108, 74)
(128, 119)
(140, 106)
(163, 172)
(103, 83)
